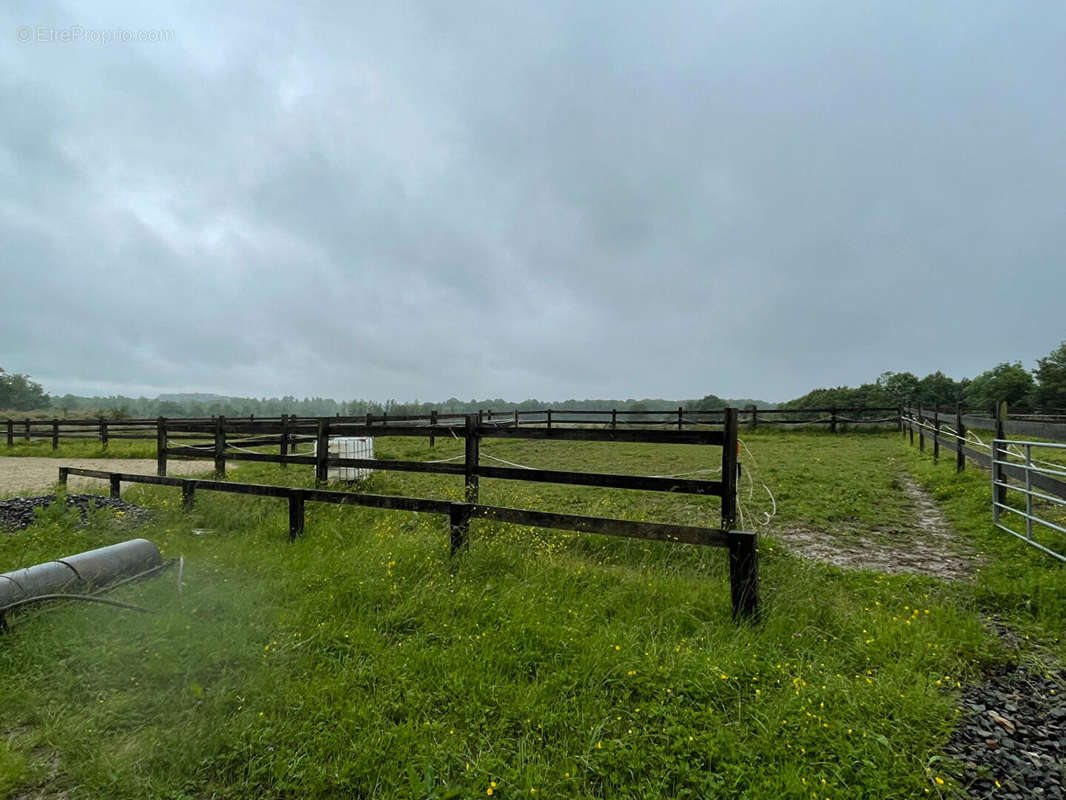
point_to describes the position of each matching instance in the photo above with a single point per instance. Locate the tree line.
(1040, 389)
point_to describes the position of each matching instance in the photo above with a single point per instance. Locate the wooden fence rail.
(926, 423)
(743, 553)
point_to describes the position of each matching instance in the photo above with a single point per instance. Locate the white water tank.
(349, 447)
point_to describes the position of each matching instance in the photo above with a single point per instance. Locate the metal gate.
(1040, 481)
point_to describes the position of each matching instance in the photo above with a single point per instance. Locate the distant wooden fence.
(471, 429)
(302, 428)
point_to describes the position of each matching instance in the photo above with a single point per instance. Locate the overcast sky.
(550, 200)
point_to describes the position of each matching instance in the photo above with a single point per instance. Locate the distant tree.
(1050, 372)
(937, 389)
(900, 388)
(20, 393)
(711, 402)
(1010, 382)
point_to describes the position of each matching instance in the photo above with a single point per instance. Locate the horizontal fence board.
(656, 531)
(1055, 431)
(606, 435)
(613, 481)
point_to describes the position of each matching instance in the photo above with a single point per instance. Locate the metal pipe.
(80, 572)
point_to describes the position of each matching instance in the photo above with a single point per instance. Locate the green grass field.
(363, 661)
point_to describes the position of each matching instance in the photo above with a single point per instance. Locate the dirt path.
(20, 475)
(924, 544)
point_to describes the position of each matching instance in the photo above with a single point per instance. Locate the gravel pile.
(18, 512)
(1013, 732)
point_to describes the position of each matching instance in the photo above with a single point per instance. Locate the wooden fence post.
(296, 515)
(936, 438)
(322, 453)
(284, 449)
(910, 424)
(680, 419)
(459, 519)
(433, 423)
(161, 447)
(103, 433)
(899, 421)
(833, 420)
(549, 419)
(188, 495)
(729, 469)
(754, 423)
(55, 434)
(10, 433)
(614, 418)
(921, 430)
(960, 440)
(116, 486)
(220, 447)
(27, 435)
(472, 454)
(64, 473)
(744, 575)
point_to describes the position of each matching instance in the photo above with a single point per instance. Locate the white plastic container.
(349, 447)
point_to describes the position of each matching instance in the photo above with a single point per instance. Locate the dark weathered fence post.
(322, 453)
(116, 486)
(459, 519)
(744, 575)
(55, 434)
(103, 433)
(614, 418)
(433, 424)
(64, 472)
(832, 420)
(161, 446)
(27, 435)
(188, 495)
(960, 440)
(296, 515)
(899, 421)
(680, 418)
(516, 423)
(753, 423)
(549, 419)
(472, 457)
(729, 469)
(936, 437)
(921, 430)
(998, 477)
(10, 433)
(285, 438)
(220, 447)
(910, 424)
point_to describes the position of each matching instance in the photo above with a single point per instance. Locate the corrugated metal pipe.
(79, 574)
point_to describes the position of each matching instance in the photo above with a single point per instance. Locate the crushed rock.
(19, 512)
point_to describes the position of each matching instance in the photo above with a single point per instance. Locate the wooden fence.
(956, 432)
(104, 430)
(472, 428)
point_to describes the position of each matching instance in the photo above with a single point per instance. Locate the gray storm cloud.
(425, 200)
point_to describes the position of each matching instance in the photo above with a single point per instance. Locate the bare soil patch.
(923, 543)
(18, 475)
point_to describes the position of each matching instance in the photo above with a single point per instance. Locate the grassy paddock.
(361, 661)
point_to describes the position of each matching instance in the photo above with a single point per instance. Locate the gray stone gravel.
(1013, 733)
(19, 512)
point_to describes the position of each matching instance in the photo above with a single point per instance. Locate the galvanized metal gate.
(1039, 480)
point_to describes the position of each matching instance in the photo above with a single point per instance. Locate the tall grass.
(362, 661)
